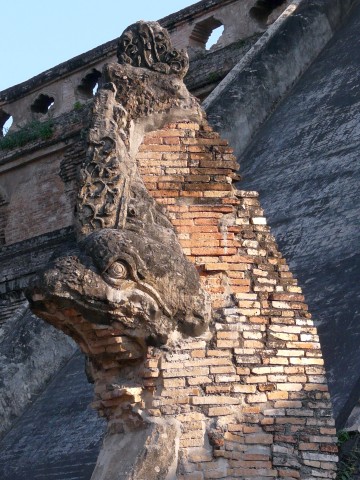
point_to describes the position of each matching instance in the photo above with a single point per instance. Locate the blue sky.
(37, 35)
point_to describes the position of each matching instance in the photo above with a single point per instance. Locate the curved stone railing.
(46, 99)
(71, 84)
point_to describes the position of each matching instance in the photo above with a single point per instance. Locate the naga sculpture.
(126, 278)
(246, 398)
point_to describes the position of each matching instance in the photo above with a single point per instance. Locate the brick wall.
(37, 201)
(251, 393)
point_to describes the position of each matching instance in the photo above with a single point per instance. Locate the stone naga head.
(136, 279)
(127, 267)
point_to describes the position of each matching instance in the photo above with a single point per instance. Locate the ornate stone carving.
(126, 286)
(136, 279)
(127, 273)
(147, 45)
(132, 102)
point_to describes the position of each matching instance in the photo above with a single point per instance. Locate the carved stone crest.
(147, 45)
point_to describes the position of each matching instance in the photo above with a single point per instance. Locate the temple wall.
(38, 203)
(251, 394)
(237, 18)
(71, 84)
(249, 397)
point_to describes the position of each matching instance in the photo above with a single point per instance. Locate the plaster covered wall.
(305, 163)
(30, 354)
(236, 17)
(59, 436)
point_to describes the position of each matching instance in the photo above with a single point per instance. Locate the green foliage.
(350, 463)
(214, 76)
(78, 106)
(343, 436)
(32, 131)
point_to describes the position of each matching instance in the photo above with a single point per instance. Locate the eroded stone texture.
(127, 279)
(160, 230)
(147, 45)
(58, 436)
(30, 354)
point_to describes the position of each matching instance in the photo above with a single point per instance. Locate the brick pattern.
(107, 351)
(72, 159)
(251, 394)
(41, 194)
(38, 203)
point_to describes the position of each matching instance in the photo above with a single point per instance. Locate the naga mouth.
(134, 308)
(116, 278)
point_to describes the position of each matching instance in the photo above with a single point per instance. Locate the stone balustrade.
(67, 86)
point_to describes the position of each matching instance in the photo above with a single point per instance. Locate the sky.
(37, 35)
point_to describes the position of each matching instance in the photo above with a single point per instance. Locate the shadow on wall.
(262, 9)
(3, 217)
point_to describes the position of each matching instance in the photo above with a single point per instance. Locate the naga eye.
(118, 271)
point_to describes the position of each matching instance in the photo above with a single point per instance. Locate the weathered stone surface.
(256, 378)
(138, 279)
(250, 92)
(305, 164)
(127, 278)
(59, 436)
(31, 256)
(70, 85)
(148, 454)
(30, 354)
(133, 292)
(147, 45)
(132, 102)
(208, 68)
(111, 196)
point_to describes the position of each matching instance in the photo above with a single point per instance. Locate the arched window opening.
(201, 35)
(263, 8)
(214, 37)
(89, 84)
(6, 121)
(42, 104)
